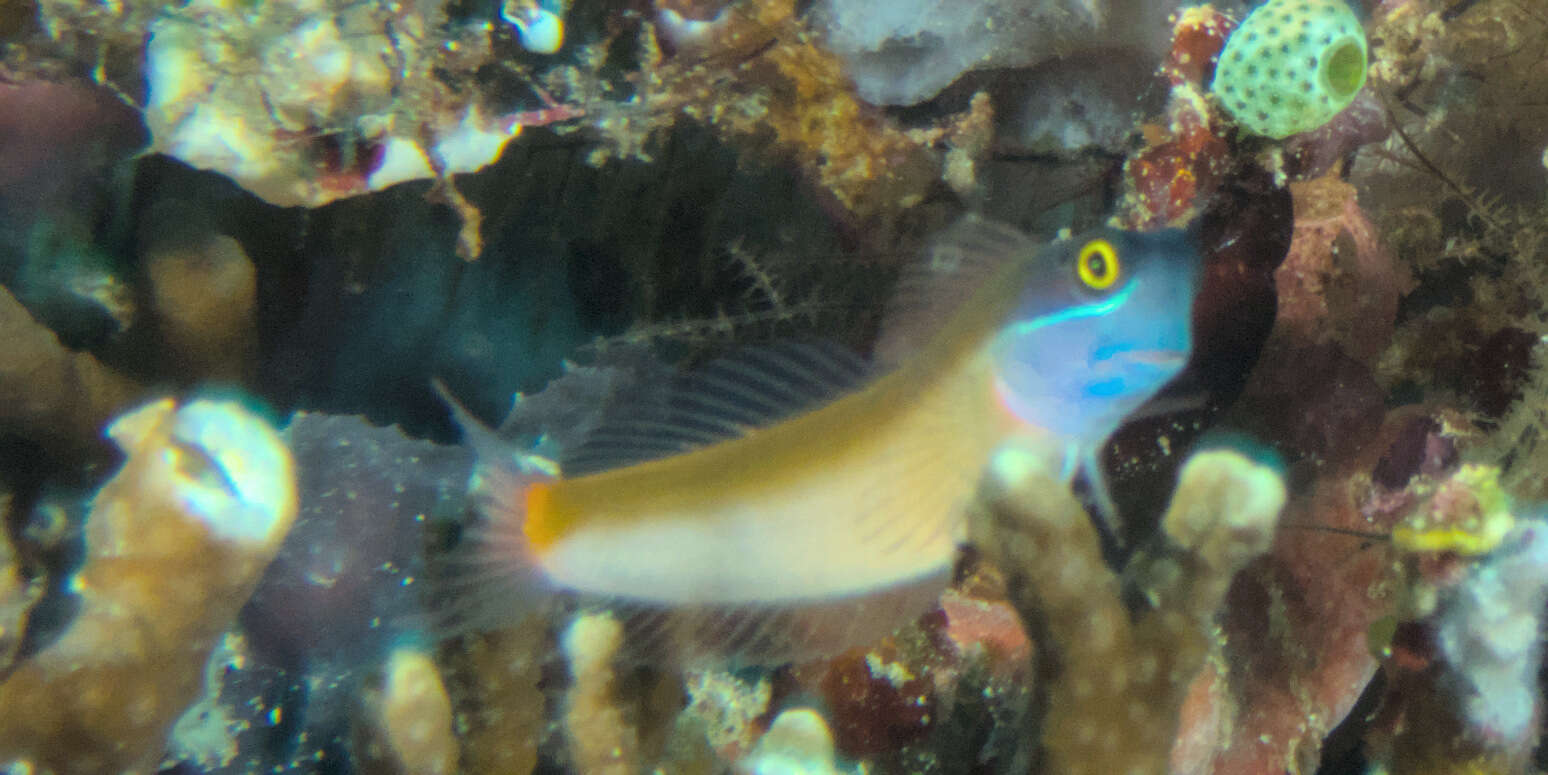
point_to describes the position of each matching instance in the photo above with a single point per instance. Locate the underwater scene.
(773, 387)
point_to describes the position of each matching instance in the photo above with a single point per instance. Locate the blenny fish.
(794, 500)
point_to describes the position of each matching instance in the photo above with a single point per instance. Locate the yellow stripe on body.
(856, 496)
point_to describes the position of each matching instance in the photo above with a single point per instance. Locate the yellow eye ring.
(1097, 265)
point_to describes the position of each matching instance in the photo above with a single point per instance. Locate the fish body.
(772, 515)
(847, 502)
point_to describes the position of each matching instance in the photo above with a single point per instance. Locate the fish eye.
(1097, 265)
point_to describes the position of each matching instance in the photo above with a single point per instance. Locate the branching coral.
(411, 718)
(1115, 684)
(175, 543)
(602, 738)
(499, 707)
(1294, 655)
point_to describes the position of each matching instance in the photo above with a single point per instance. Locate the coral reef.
(205, 197)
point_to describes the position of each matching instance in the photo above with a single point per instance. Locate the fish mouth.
(1132, 374)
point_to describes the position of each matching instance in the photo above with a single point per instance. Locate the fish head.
(1102, 323)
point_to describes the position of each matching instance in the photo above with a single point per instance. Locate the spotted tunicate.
(1291, 66)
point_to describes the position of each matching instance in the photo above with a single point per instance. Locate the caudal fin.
(489, 578)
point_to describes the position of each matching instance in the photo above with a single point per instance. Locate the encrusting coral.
(1116, 683)
(175, 542)
(793, 89)
(302, 108)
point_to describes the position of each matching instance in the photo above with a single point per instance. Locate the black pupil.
(1096, 264)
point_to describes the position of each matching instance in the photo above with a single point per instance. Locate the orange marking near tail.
(539, 526)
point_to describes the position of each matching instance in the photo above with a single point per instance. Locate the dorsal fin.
(957, 262)
(748, 389)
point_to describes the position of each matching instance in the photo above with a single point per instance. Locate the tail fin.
(490, 577)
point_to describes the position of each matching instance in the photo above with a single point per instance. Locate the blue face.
(1103, 325)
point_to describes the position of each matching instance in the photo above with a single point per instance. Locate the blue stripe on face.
(1078, 312)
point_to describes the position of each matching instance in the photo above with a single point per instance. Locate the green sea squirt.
(1291, 66)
